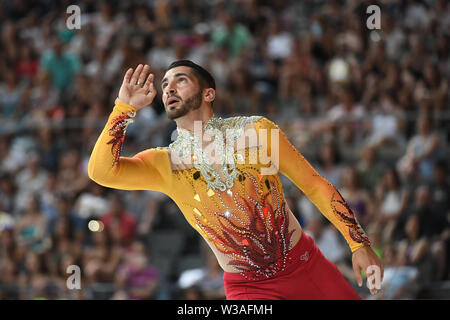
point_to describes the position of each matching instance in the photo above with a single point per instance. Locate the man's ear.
(209, 94)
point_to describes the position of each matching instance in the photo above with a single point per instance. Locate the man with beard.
(229, 190)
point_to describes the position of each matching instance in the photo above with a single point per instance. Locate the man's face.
(181, 92)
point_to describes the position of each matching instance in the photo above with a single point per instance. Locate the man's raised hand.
(137, 88)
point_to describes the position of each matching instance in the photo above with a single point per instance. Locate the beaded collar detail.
(224, 131)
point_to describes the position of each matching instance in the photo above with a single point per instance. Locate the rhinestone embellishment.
(189, 143)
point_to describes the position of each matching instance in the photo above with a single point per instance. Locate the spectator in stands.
(391, 200)
(7, 193)
(330, 163)
(12, 97)
(61, 65)
(193, 293)
(327, 240)
(27, 65)
(369, 168)
(48, 147)
(279, 41)
(414, 251)
(135, 276)
(101, 259)
(31, 227)
(440, 197)
(211, 284)
(120, 223)
(162, 54)
(30, 180)
(423, 149)
(231, 35)
(71, 177)
(92, 203)
(8, 280)
(440, 188)
(400, 280)
(65, 216)
(346, 118)
(387, 123)
(205, 282)
(43, 99)
(33, 276)
(431, 221)
(356, 197)
(64, 254)
(434, 227)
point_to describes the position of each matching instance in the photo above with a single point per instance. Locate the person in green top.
(62, 66)
(232, 36)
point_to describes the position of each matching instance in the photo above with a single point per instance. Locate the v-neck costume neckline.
(189, 146)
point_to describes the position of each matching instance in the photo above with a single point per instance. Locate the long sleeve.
(147, 170)
(320, 191)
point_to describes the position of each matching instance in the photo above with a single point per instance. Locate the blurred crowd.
(368, 108)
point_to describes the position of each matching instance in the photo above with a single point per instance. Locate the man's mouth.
(172, 102)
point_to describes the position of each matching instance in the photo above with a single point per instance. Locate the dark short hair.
(205, 78)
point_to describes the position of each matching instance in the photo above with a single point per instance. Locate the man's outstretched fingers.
(143, 74)
(136, 74)
(358, 276)
(127, 77)
(149, 82)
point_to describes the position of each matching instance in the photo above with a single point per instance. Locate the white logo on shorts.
(305, 256)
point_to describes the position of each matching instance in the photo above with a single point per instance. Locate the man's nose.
(169, 90)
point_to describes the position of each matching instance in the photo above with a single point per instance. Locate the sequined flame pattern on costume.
(259, 247)
(118, 130)
(346, 215)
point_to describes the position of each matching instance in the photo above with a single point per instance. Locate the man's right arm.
(147, 170)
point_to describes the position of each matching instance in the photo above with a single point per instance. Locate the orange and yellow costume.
(239, 211)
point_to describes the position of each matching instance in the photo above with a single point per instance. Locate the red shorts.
(308, 276)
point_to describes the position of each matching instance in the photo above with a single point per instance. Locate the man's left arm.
(323, 194)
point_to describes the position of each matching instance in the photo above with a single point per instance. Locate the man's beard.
(192, 103)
